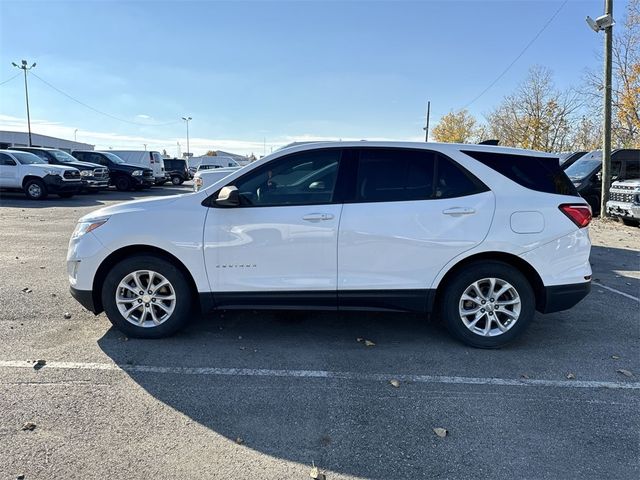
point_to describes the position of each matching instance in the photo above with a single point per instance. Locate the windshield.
(114, 158)
(27, 158)
(62, 157)
(583, 168)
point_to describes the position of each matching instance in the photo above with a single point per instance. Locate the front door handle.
(457, 211)
(317, 217)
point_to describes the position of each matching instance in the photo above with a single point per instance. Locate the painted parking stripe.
(358, 376)
(617, 291)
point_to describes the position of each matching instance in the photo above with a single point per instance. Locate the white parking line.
(617, 291)
(356, 376)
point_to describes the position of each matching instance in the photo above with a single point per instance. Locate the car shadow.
(90, 199)
(616, 268)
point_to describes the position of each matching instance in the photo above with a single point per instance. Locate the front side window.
(62, 157)
(305, 178)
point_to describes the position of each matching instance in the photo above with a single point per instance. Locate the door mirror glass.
(228, 197)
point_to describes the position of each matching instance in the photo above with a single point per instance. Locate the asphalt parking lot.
(269, 394)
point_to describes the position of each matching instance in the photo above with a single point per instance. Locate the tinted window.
(6, 160)
(300, 179)
(537, 173)
(632, 169)
(27, 158)
(61, 156)
(454, 181)
(392, 175)
(583, 168)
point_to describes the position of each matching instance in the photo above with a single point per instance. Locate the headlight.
(197, 183)
(53, 172)
(86, 227)
(136, 173)
(86, 173)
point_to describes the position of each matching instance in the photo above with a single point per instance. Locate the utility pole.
(426, 128)
(187, 120)
(606, 139)
(24, 67)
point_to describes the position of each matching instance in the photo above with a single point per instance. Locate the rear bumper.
(84, 298)
(623, 210)
(563, 297)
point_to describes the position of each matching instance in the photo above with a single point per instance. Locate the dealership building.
(21, 139)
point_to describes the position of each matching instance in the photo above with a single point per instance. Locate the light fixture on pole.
(606, 23)
(187, 120)
(23, 67)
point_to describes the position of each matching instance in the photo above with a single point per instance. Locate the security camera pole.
(24, 67)
(606, 141)
(187, 120)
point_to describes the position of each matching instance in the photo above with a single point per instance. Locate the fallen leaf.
(67, 315)
(624, 372)
(39, 364)
(441, 432)
(316, 474)
(369, 343)
(42, 267)
(30, 426)
(525, 376)
(359, 339)
(615, 357)
(394, 382)
(571, 376)
(239, 440)
(27, 290)
(20, 477)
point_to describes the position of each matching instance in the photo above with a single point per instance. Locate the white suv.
(482, 235)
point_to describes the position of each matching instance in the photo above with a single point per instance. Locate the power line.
(100, 111)
(544, 27)
(9, 79)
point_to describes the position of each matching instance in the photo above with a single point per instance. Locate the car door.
(279, 246)
(411, 212)
(9, 172)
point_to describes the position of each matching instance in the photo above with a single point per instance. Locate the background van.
(148, 159)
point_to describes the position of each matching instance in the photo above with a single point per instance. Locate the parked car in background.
(569, 158)
(585, 173)
(623, 195)
(635, 207)
(147, 159)
(208, 162)
(94, 176)
(36, 178)
(206, 178)
(177, 169)
(483, 235)
(122, 175)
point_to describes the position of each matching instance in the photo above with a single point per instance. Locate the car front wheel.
(35, 189)
(122, 183)
(488, 304)
(147, 297)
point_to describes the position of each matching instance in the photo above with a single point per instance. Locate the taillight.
(580, 214)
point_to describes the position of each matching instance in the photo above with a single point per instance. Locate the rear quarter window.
(542, 174)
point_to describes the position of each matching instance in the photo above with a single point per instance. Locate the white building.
(21, 139)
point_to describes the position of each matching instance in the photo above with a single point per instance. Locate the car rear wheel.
(488, 304)
(35, 189)
(176, 180)
(123, 183)
(147, 297)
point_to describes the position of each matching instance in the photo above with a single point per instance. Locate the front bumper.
(141, 181)
(95, 184)
(623, 210)
(84, 298)
(563, 297)
(55, 184)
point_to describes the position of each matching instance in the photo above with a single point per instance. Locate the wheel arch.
(30, 177)
(129, 251)
(512, 260)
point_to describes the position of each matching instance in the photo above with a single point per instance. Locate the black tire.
(65, 195)
(122, 183)
(176, 180)
(35, 189)
(456, 286)
(183, 296)
(630, 222)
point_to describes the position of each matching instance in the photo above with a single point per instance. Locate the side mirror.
(228, 197)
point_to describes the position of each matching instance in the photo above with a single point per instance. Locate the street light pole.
(426, 128)
(24, 68)
(606, 138)
(187, 120)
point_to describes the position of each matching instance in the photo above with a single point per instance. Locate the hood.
(142, 205)
(131, 167)
(632, 182)
(48, 166)
(84, 165)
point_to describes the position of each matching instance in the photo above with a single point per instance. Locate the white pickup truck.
(27, 172)
(624, 201)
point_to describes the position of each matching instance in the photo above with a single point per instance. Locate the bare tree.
(536, 115)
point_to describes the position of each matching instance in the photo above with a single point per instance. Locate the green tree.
(455, 127)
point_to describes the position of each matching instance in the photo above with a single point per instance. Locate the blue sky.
(250, 72)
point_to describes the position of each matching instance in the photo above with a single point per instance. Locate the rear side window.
(536, 173)
(395, 175)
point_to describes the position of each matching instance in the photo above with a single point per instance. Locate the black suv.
(123, 176)
(587, 177)
(177, 169)
(94, 176)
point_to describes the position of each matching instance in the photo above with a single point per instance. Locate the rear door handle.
(317, 217)
(456, 211)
